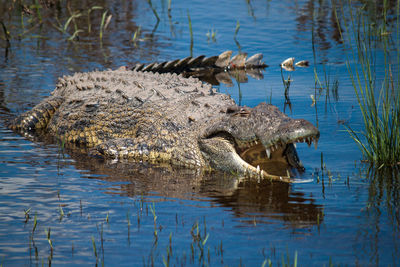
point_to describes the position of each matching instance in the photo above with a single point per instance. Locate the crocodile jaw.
(252, 158)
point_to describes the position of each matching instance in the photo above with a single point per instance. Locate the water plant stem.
(154, 11)
(191, 34)
(379, 141)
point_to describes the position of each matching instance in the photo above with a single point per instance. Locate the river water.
(89, 212)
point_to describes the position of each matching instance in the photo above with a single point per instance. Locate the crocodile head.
(257, 141)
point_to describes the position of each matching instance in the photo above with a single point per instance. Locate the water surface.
(134, 214)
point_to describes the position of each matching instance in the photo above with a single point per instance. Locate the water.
(92, 208)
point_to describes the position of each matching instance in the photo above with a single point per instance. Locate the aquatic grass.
(37, 20)
(105, 21)
(64, 28)
(191, 33)
(136, 35)
(74, 35)
(169, 252)
(27, 216)
(7, 35)
(34, 225)
(286, 85)
(200, 250)
(101, 241)
(61, 213)
(153, 211)
(212, 35)
(154, 10)
(379, 105)
(239, 89)
(250, 9)
(237, 28)
(285, 261)
(37, 7)
(129, 226)
(199, 241)
(95, 250)
(89, 11)
(48, 236)
(72, 19)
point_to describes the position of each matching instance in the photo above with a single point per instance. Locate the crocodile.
(213, 70)
(146, 116)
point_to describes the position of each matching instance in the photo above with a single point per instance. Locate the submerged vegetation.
(368, 34)
(185, 242)
(33, 20)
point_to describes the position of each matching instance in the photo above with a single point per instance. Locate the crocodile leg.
(38, 117)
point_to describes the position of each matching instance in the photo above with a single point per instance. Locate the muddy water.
(126, 214)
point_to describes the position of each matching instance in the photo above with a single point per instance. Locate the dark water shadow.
(260, 200)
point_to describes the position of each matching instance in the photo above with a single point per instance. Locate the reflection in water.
(286, 85)
(384, 192)
(216, 77)
(246, 198)
(319, 17)
(383, 201)
(274, 201)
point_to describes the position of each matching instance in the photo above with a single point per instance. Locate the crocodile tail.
(38, 117)
(220, 63)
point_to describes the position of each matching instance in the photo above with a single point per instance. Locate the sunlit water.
(130, 214)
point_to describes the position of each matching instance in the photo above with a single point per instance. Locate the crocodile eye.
(232, 109)
(243, 112)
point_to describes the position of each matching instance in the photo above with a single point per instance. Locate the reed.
(48, 236)
(34, 225)
(27, 216)
(212, 35)
(7, 35)
(235, 35)
(37, 7)
(95, 250)
(105, 21)
(191, 33)
(379, 101)
(89, 11)
(154, 10)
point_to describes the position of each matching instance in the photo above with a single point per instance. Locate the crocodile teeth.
(308, 140)
(268, 151)
(294, 144)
